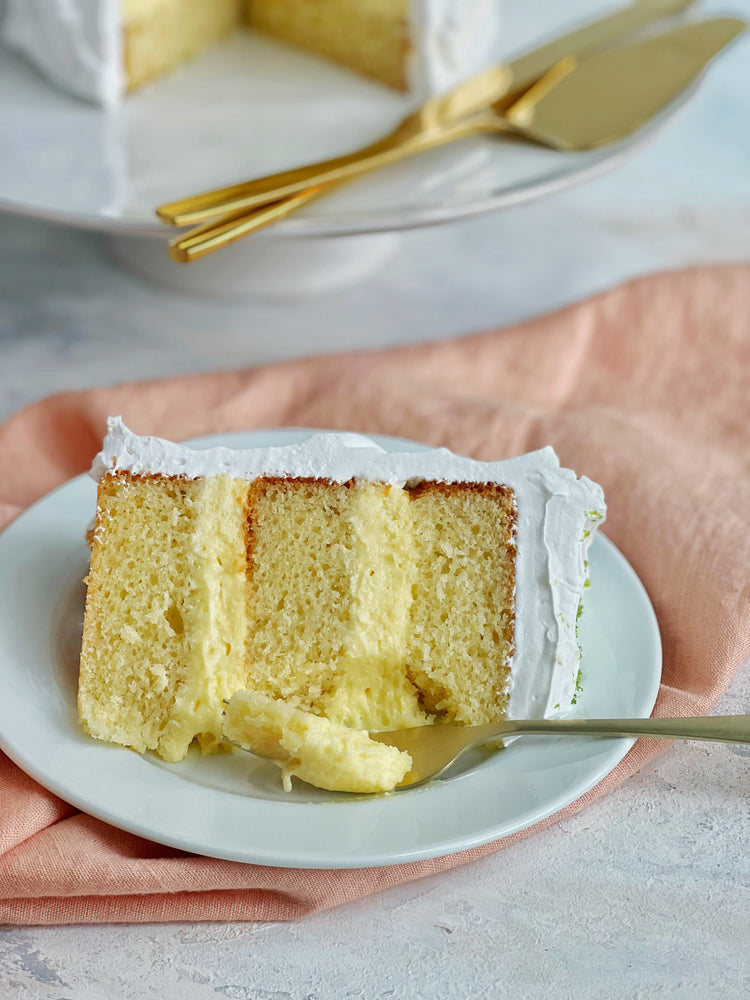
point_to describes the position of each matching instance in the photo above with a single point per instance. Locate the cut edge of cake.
(99, 50)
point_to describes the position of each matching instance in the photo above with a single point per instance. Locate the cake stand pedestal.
(263, 266)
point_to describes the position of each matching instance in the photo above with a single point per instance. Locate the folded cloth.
(645, 389)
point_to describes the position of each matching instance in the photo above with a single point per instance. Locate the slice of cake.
(101, 49)
(368, 589)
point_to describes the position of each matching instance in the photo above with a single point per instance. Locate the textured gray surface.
(644, 895)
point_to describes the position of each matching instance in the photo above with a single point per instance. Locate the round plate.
(247, 108)
(231, 805)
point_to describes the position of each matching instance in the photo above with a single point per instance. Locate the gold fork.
(434, 748)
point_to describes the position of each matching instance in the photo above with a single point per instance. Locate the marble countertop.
(644, 894)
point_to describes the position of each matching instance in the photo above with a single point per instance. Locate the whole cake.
(100, 49)
(332, 588)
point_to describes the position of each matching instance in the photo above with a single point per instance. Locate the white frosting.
(557, 516)
(452, 39)
(77, 43)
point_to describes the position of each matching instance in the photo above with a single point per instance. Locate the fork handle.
(199, 207)
(274, 188)
(217, 233)
(264, 190)
(253, 212)
(718, 728)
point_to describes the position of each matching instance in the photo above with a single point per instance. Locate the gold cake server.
(614, 93)
(499, 86)
(575, 106)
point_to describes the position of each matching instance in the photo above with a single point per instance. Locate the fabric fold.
(645, 389)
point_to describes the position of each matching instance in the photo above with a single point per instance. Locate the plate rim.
(302, 226)
(320, 858)
(349, 222)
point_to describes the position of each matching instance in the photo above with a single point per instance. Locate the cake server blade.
(612, 94)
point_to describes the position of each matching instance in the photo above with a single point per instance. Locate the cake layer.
(160, 35)
(372, 37)
(461, 629)
(331, 569)
(164, 630)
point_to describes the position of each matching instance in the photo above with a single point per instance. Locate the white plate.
(231, 806)
(250, 107)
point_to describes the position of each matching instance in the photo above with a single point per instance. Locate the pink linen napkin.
(645, 389)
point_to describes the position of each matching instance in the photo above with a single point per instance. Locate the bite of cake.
(312, 747)
(332, 590)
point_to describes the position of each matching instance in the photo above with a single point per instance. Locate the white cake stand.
(246, 108)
